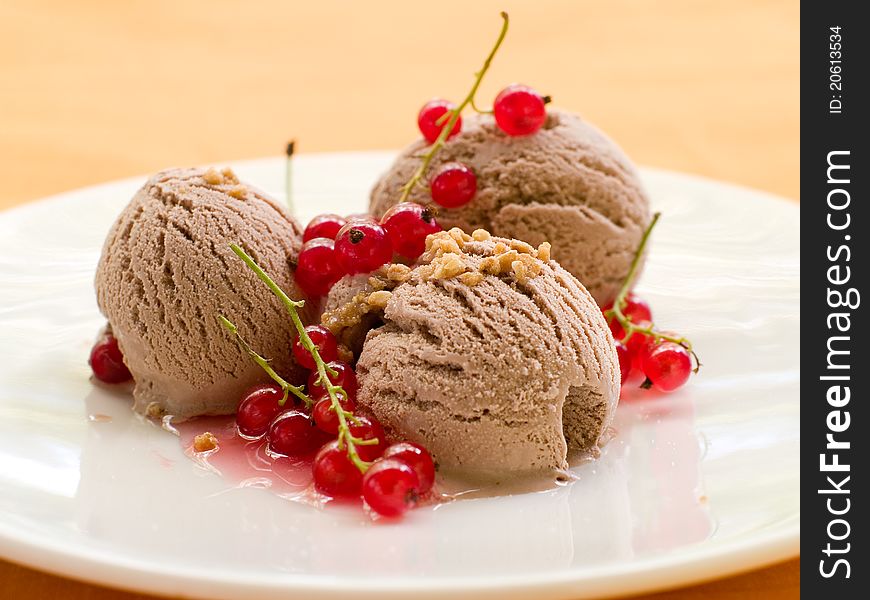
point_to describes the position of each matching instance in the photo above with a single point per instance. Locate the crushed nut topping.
(398, 273)
(212, 177)
(522, 247)
(223, 177)
(448, 266)
(205, 442)
(449, 254)
(445, 255)
(154, 410)
(379, 299)
(229, 175)
(471, 279)
(346, 316)
(238, 191)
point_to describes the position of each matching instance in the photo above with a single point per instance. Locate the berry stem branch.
(264, 364)
(345, 438)
(454, 115)
(619, 303)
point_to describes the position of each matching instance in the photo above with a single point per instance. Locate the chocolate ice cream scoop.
(491, 355)
(568, 184)
(167, 272)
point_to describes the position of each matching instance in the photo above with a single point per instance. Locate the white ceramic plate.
(698, 484)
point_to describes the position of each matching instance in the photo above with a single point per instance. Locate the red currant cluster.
(353, 458)
(334, 246)
(664, 358)
(107, 362)
(665, 364)
(399, 474)
(519, 110)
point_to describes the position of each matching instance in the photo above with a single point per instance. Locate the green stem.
(632, 271)
(454, 116)
(288, 173)
(345, 438)
(629, 328)
(264, 364)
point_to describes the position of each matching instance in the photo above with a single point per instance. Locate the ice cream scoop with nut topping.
(488, 352)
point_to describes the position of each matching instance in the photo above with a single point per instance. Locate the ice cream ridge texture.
(166, 273)
(488, 353)
(568, 184)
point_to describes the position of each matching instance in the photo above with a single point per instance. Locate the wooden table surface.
(92, 91)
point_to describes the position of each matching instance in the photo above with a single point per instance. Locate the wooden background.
(94, 90)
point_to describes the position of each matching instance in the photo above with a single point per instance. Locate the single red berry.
(326, 344)
(325, 226)
(430, 120)
(418, 458)
(638, 344)
(258, 408)
(636, 309)
(346, 379)
(317, 269)
(389, 487)
(366, 428)
(107, 361)
(324, 416)
(408, 224)
(453, 185)
(624, 361)
(667, 366)
(334, 473)
(293, 433)
(362, 246)
(519, 110)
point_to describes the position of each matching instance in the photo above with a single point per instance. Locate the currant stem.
(264, 364)
(619, 302)
(454, 115)
(345, 438)
(628, 326)
(288, 173)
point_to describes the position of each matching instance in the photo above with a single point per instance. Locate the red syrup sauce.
(248, 463)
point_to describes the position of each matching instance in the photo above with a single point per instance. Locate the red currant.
(346, 379)
(519, 110)
(258, 408)
(667, 366)
(624, 360)
(408, 224)
(107, 362)
(325, 417)
(389, 487)
(638, 344)
(323, 340)
(419, 459)
(362, 246)
(366, 428)
(317, 269)
(325, 226)
(453, 185)
(334, 473)
(429, 119)
(293, 434)
(636, 309)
